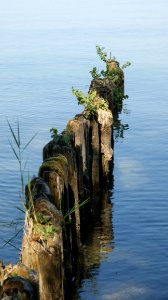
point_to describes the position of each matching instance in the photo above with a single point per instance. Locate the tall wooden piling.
(74, 168)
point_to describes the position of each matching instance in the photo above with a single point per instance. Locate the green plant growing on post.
(95, 74)
(90, 102)
(103, 55)
(54, 134)
(106, 74)
(112, 73)
(63, 139)
(43, 226)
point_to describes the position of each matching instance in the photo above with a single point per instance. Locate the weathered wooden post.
(81, 129)
(42, 245)
(105, 120)
(96, 159)
(104, 89)
(114, 66)
(55, 150)
(54, 172)
(18, 282)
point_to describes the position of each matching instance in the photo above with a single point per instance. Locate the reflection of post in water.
(97, 238)
(97, 233)
(97, 229)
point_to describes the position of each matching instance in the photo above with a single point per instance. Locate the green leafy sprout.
(106, 74)
(103, 55)
(113, 74)
(44, 227)
(63, 139)
(90, 102)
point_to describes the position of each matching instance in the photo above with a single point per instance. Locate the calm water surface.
(38, 68)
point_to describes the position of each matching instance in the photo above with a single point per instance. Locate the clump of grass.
(44, 231)
(18, 150)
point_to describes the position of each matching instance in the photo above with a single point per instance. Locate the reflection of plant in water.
(119, 129)
(118, 126)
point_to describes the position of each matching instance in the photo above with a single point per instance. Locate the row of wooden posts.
(70, 185)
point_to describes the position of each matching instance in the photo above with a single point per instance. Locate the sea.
(45, 50)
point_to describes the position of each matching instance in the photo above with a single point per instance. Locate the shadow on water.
(97, 233)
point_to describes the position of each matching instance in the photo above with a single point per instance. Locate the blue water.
(136, 268)
(43, 53)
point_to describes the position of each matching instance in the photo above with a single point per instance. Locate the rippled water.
(137, 266)
(38, 67)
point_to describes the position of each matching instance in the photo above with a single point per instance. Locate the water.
(41, 57)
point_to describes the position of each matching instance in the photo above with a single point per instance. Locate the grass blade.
(7, 224)
(25, 164)
(14, 151)
(18, 208)
(29, 142)
(13, 134)
(72, 210)
(18, 129)
(8, 242)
